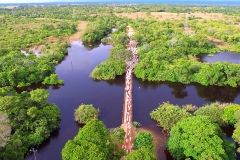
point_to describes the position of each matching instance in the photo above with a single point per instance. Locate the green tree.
(122, 54)
(39, 95)
(52, 79)
(120, 39)
(85, 113)
(196, 137)
(117, 135)
(108, 70)
(142, 153)
(144, 139)
(167, 115)
(212, 111)
(236, 136)
(92, 142)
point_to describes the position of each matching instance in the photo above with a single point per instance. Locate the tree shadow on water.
(91, 45)
(217, 93)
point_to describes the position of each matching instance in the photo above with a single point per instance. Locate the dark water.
(108, 96)
(221, 57)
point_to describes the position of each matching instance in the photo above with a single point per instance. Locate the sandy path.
(80, 28)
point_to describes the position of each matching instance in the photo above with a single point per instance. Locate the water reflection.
(181, 91)
(89, 45)
(217, 93)
(38, 85)
(223, 56)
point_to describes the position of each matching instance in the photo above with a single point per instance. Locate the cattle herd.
(127, 119)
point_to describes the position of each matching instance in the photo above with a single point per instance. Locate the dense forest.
(34, 38)
(30, 117)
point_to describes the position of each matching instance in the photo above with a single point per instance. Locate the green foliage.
(167, 115)
(212, 111)
(97, 30)
(39, 95)
(210, 156)
(52, 79)
(236, 116)
(121, 54)
(106, 40)
(120, 38)
(142, 153)
(198, 137)
(165, 53)
(117, 135)
(226, 33)
(236, 135)
(108, 70)
(85, 113)
(228, 114)
(16, 69)
(22, 33)
(92, 142)
(144, 139)
(32, 119)
(54, 52)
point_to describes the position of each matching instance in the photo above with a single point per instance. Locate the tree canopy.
(197, 137)
(92, 142)
(142, 153)
(144, 139)
(167, 115)
(228, 114)
(212, 111)
(31, 117)
(108, 70)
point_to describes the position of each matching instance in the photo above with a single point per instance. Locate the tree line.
(167, 53)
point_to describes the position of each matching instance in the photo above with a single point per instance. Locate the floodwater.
(221, 57)
(108, 97)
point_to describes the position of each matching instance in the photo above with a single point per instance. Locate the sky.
(112, 1)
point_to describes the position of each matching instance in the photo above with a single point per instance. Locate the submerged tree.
(85, 113)
(167, 115)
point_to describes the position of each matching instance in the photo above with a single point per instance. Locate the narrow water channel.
(222, 56)
(108, 97)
